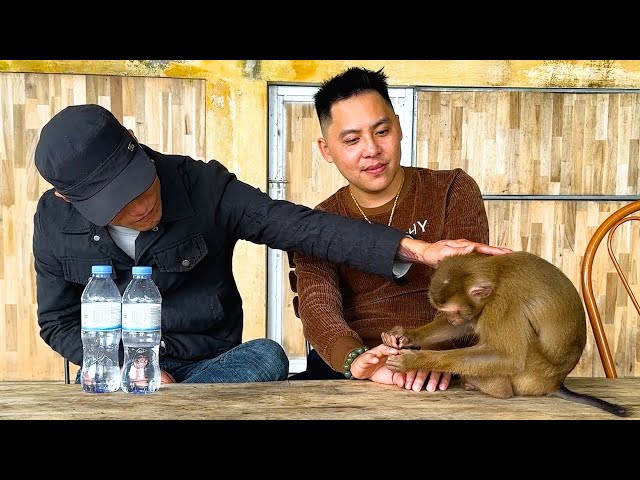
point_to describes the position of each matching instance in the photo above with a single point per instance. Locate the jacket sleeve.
(465, 215)
(254, 216)
(322, 312)
(58, 300)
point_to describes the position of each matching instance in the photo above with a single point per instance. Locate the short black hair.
(353, 81)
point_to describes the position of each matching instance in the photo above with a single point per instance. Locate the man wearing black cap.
(116, 202)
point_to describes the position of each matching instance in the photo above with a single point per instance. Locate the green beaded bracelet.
(353, 354)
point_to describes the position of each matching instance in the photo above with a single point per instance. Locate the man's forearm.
(405, 253)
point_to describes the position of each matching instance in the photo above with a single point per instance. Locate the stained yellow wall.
(237, 101)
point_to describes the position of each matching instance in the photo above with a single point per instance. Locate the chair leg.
(67, 378)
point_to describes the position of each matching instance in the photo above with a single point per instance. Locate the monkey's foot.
(467, 386)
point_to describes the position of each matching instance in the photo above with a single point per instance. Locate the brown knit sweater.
(342, 308)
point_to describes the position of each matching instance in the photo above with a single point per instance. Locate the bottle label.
(101, 316)
(140, 317)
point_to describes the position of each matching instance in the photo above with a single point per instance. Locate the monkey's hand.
(397, 337)
(404, 361)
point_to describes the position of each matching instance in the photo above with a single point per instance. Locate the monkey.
(520, 322)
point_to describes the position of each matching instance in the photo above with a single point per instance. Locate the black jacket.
(205, 211)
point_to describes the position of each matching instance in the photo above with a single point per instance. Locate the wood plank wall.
(167, 114)
(533, 142)
(519, 142)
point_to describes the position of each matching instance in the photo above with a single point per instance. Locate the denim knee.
(273, 359)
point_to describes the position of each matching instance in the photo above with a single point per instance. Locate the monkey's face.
(454, 304)
(446, 300)
(458, 290)
(457, 308)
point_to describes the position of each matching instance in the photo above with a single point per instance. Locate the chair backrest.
(608, 227)
(293, 284)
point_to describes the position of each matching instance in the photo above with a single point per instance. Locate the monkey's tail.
(567, 394)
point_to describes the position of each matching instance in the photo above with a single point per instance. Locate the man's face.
(143, 212)
(363, 141)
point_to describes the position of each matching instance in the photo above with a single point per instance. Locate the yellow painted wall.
(237, 101)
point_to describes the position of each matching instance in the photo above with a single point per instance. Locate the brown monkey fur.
(521, 317)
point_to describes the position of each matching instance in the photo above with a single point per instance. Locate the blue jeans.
(259, 360)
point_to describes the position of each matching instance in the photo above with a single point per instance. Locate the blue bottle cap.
(101, 269)
(141, 270)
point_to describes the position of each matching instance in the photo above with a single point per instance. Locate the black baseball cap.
(93, 160)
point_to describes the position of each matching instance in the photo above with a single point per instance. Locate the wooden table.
(297, 400)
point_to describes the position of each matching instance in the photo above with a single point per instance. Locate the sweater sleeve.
(321, 310)
(465, 215)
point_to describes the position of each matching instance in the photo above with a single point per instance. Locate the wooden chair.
(608, 227)
(293, 283)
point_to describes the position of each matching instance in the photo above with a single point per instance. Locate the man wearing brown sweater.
(344, 311)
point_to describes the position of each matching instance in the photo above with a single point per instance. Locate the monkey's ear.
(481, 291)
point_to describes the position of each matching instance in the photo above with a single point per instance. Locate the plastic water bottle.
(141, 328)
(101, 320)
